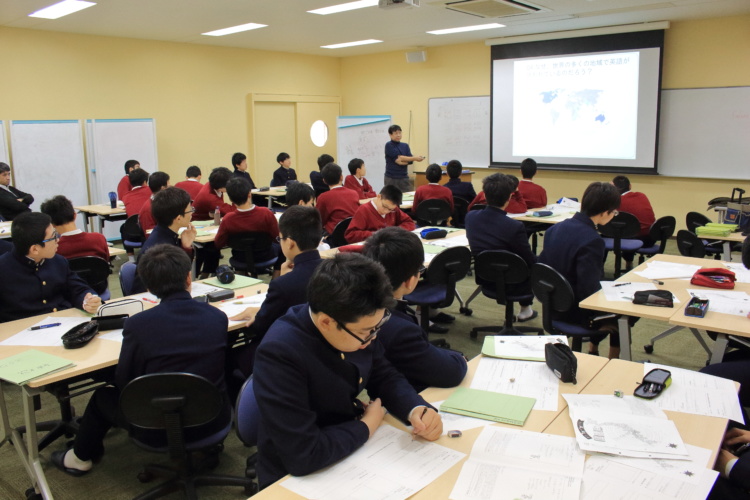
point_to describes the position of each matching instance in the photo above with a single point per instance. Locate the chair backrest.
(460, 208)
(93, 270)
(622, 226)
(433, 211)
(337, 236)
(690, 245)
(478, 206)
(127, 277)
(661, 230)
(553, 291)
(250, 243)
(448, 268)
(247, 415)
(695, 219)
(502, 268)
(131, 230)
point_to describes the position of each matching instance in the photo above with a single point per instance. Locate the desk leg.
(727, 251)
(719, 347)
(624, 327)
(30, 455)
(86, 216)
(270, 202)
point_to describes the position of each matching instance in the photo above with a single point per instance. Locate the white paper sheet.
(724, 301)
(45, 336)
(455, 422)
(232, 308)
(624, 292)
(627, 405)
(524, 346)
(741, 272)
(520, 378)
(114, 335)
(666, 270)
(698, 393)
(197, 289)
(389, 466)
(688, 471)
(455, 241)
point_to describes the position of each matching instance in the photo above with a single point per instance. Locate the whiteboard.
(364, 137)
(48, 160)
(459, 129)
(705, 133)
(4, 156)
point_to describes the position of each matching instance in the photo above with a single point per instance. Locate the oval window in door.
(319, 133)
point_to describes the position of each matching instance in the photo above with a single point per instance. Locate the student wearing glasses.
(35, 279)
(314, 362)
(382, 211)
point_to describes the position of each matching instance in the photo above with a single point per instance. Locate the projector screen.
(589, 103)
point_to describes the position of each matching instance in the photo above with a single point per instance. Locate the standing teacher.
(397, 158)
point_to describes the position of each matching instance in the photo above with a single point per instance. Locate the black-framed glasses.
(422, 269)
(190, 211)
(279, 239)
(373, 333)
(55, 237)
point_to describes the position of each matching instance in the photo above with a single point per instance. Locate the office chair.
(432, 212)
(336, 238)
(479, 206)
(127, 278)
(247, 420)
(175, 403)
(690, 245)
(696, 219)
(618, 235)
(556, 295)
(244, 247)
(95, 271)
(132, 234)
(460, 208)
(661, 230)
(503, 269)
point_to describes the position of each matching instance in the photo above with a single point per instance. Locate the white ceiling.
(292, 29)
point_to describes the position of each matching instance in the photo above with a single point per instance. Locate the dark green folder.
(487, 405)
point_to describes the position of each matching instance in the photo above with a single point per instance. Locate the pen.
(622, 284)
(658, 282)
(44, 326)
(424, 412)
(149, 300)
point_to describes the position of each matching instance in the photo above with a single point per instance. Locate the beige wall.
(706, 53)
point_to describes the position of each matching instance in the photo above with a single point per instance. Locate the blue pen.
(44, 326)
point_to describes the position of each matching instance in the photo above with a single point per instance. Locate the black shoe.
(437, 329)
(443, 318)
(58, 459)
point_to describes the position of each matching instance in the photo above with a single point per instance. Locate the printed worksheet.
(627, 405)
(659, 270)
(520, 378)
(455, 422)
(47, 334)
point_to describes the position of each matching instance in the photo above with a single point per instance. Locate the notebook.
(487, 405)
(28, 365)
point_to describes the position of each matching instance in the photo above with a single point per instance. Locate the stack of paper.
(487, 405)
(523, 378)
(659, 270)
(235, 307)
(524, 347)
(741, 273)
(455, 241)
(28, 365)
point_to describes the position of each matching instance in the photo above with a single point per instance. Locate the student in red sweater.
(433, 190)
(534, 194)
(516, 205)
(192, 183)
(124, 187)
(337, 203)
(380, 212)
(357, 181)
(637, 204)
(73, 242)
(212, 195)
(247, 217)
(137, 196)
(156, 182)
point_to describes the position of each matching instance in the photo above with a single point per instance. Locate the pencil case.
(696, 307)
(714, 277)
(561, 360)
(111, 322)
(220, 295)
(542, 213)
(653, 383)
(80, 335)
(658, 298)
(433, 233)
(126, 306)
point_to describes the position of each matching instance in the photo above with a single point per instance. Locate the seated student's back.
(316, 177)
(124, 185)
(339, 202)
(458, 187)
(533, 194)
(156, 182)
(192, 183)
(433, 190)
(73, 242)
(137, 196)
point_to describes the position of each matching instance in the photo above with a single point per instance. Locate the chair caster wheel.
(466, 311)
(31, 494)
(473, 335)
(648, 348)
(251, 490)
(145, 477)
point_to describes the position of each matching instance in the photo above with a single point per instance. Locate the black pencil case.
(561, 360)
(220, 295)
(658, 298)
(80, 335)
(111, 322)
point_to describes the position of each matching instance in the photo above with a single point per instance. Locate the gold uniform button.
(360, 380)
(44, 301)
(54, 309)
(44, 283)
(342, 356)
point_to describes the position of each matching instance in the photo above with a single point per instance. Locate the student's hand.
(91, 303)
(429, 426)
(722, 460)
(248, 314)
(188, 236)
(419, 158)
(373, 416)
(287, 266)
(736, 436)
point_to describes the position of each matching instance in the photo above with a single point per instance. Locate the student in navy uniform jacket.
(357, 181)
(492, 229)
(239, 162)
(5, 246)
(73, 242)
(178, 335)
(192, 183)
(313, 363)
(172, 210)
(406, 345)
(382, 211)
(316, 177)
(576, 250)
(12, 201)
(458, 187)
(35, 279)
(285, 172)
(339, 202)
(124, 186)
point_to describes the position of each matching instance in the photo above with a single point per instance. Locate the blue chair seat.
(200, 444)
(426, 293)
(652, 250)
(490, 293)
(572, 329)
(626, 245)
(242, 266)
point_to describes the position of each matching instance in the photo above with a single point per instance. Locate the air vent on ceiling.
(491, 8)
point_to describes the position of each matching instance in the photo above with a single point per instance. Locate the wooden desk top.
(553, 219)
(274, 191)
(327, 254)
(5, 229)
(103, 209)
(115, 251)
(735, 237)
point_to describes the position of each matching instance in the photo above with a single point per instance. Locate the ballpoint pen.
(40, 327)
(622, 284)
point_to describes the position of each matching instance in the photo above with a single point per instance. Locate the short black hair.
(303, 225)
(324, 160)
(392, 194)
(130, 164)
(138, 177)
(622, 184)
(393, 128)
(157, 181)
(528, 168)
(433, 173)
(60, 210)
(193, 171)
(164, 269)
(497, 189)
(513, 180)
(399, 251)
(238, 190)
(599, 197)
(281, 157)
(219, 177)
(299, 191)
(331, 174)
(454, 169)
(237, 159)
(168, 204)
(348, 287)
(355, 164)
(29, 228)
(4, 167)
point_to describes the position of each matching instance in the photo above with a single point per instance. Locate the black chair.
(438, 287)
(694, 220)
(127, 278)
(174, 403)
(478, 206)
(247, 245)
(247, 421)
(131, 234)
(504, 269)
(533, 230)
(432, 212)
(619, 234)
(460, 208)
(556, 295)
(661, 230)
(336, 239)
(95, 271)
(690, 245)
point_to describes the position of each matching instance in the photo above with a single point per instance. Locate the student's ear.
(189, 281)
(411, 283)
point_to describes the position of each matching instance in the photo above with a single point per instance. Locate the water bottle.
(217, 216)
